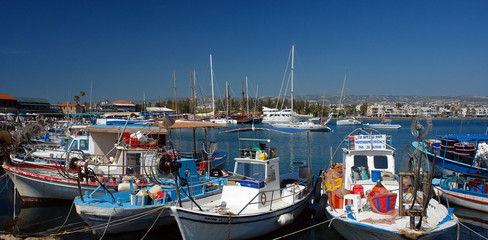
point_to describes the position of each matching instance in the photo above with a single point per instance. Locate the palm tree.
(82, 93)
(77, 99)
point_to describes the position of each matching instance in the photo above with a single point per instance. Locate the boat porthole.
(263, 198)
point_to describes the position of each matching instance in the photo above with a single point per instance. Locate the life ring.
(263, 198)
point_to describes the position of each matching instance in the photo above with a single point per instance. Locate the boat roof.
(466, 137)
(280, 130)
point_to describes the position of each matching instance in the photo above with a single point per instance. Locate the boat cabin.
(257, 181)
(367, 159)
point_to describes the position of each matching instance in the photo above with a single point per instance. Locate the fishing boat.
(256, 200)
(147, 207)
(467, 190)
(361, 196)
(346, 121)
(385, 124)
(457, 153)
(135, 151)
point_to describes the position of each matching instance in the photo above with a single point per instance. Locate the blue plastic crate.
(252, 183)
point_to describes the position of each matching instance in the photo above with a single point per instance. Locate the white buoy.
(125, 186)
(285, 219)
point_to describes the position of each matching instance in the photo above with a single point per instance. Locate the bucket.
(375, 175)
(303, 171)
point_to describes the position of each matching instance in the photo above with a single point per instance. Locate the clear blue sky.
(54, 49)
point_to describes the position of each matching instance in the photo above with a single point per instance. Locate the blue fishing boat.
(457, 153)
(467, 190)
(147, 207)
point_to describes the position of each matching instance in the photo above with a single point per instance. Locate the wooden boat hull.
(122, 220)
(34, 187)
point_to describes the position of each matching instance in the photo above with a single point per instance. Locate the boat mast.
(342, 95)
(176, 101)
(292, 69)
(228, 98)
(247, 96)
(212, 83)
(242, 97)
(192, 94)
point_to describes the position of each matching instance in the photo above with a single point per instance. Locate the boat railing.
(192, 189)
(295, 190)
(254, 151)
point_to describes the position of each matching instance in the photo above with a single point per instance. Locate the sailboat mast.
(247, 96)
(292, 73)
(342, 94)
(192, 94)
(212, 83)
(227, 93)
(176, 99)
(242, 97)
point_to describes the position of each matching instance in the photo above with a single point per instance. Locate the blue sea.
(320, 147)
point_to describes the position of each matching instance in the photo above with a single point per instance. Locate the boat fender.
(263, 198)
(320, 212)
(285, 219)
(318, 188)
(125, 186)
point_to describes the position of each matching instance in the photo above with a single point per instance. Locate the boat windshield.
(66, 147)
(255, 171)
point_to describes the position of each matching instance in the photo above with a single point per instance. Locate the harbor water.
(293, 151)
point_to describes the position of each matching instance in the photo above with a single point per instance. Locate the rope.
(310, 227)
(6, 183)
(108, 222)
(228, 230)
(155, 220)
(119, 222)
(66, 220)
(462, 224)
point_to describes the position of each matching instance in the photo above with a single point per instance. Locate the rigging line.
(283, 81)
(286, 90)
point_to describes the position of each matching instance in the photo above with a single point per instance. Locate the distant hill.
(412, 100)
(392, 100)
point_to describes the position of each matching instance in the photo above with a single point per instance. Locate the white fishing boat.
(346, 121)
(385, 124)
(255, 201)
(132, 156)
(363, 201)
(467, 190)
